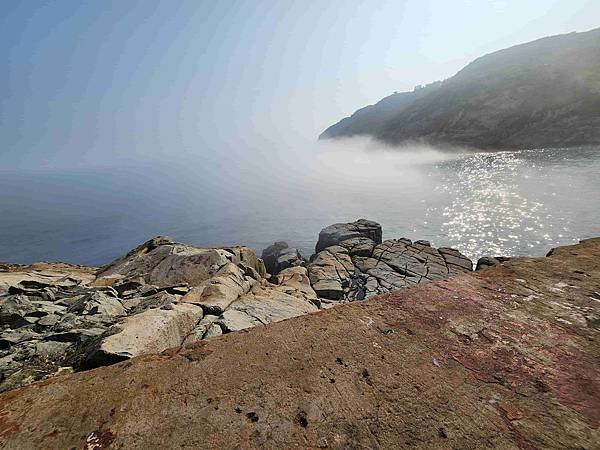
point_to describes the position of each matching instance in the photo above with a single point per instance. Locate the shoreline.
(455, 362)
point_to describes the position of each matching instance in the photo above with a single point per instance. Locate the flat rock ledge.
(506, 357)
(57, 318)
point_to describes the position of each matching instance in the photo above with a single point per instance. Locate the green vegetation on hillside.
(545, 93)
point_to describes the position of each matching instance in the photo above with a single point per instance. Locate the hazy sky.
(100, 82)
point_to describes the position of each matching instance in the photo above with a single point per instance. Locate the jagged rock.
(219, 292)
(98, 303)
(165, 294)
(9, 337)
(151, 331)
(163, 262)
(270, 254)
(357, 268)
(329, 271)
(201, 330)
(280, 256)
(72, 321)
(125, 286)
(213, 331)
(336, 233)
(249, 271)
(14, 309)
(294, 281)
(265, 304)
(160, 299)
(79, 335)
(59, 275)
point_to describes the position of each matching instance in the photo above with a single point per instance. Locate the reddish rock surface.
(507, 357)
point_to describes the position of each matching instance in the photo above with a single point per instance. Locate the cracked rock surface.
(501, 358)
(358, 265)
(56, 317)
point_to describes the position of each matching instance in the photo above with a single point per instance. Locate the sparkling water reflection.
(517, 203)
(512, 203)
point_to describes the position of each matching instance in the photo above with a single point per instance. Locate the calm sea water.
(509, 203)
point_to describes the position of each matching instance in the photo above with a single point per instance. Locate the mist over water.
(508, 203)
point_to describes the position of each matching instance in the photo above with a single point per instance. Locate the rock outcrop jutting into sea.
(505, 357)
(540, 94)
(58, 317)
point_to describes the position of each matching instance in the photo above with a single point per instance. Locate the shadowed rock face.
(164, 294)
(280, 256)
(467, 362)
(336, 233)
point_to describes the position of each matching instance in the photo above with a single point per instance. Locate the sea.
(516, 203)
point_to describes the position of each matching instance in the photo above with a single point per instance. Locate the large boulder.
(151, 331)
(336, 233)
(264, 304)
(295, 282)
(216, 294)
(330, 271)
(280, 256)
(14, 310)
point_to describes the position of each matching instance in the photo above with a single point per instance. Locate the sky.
(111, 83)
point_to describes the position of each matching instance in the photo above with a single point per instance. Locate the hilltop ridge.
(544, 93)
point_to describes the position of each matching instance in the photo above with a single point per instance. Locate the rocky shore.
(59, 318)
(502, 357)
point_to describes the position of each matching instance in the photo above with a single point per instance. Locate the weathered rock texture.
(353, 264)
(164, 294)
(336, 233)
(281, 256)
(506, 357)
(59, 317)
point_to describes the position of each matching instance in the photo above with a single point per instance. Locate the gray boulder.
(336, 233)
(98, 303)
(265, 304)
(280, 256)
(330, 271)
(14, 310)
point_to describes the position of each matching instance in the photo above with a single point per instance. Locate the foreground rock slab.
(506, 357)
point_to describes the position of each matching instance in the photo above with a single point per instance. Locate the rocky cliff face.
(505, 357)
(545, 93)
(58, 318)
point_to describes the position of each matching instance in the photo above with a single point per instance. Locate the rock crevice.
(165, 294)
